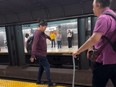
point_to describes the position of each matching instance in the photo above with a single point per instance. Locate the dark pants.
(53, 43)
(59, 44)
(102, 73)
(44, 65)
(69, 42)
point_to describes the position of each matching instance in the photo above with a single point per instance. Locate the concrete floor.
(64, 49)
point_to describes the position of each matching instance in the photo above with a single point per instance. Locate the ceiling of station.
(17, 11)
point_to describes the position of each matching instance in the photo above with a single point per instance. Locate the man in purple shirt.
(39, 52)
(105, 65)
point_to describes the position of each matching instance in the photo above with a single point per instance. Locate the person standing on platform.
(69, 38)
(104, 67)
(39, 52)
(53, 37)
(26, 37)
(59, 39)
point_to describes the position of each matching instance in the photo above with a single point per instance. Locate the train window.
(68, 31)
(3, 41)
(63, 34)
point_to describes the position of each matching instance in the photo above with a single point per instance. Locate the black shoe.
(52, 85)
(38, 83)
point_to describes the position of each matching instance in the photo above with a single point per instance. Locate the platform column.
(93, 21)
(15, 45)
(82, 25)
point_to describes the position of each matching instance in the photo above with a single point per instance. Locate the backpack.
(113, 44)
(29, 44)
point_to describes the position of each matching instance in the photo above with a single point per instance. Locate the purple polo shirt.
(103, 23)
(39, 46)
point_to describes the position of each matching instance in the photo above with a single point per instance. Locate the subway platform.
(59, 76)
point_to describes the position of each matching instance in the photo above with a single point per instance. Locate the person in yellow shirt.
(53, 37)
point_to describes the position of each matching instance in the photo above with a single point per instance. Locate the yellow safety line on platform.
(12, 83)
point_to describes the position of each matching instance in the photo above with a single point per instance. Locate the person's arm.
(48, 37)
(99, 30)
(34, 45)
(89, 43)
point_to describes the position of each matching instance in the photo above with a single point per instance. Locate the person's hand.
(75, 53)
(32, 59)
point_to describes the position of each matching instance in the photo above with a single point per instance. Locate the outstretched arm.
(89, 43)
(48, 37)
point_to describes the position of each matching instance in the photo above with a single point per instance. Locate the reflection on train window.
(63, 34)
(3, 40)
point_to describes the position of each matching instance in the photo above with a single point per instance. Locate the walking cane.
(73, 79)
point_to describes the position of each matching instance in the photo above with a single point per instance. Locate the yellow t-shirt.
(52, 36)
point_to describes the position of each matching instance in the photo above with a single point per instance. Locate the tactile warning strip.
(12, 83)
